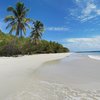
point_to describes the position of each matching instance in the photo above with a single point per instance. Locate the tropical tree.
(37, 30)
(18, 21)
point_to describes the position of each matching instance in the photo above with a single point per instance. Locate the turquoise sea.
(89, 53)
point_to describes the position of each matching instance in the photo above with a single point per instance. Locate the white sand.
(15, 72)
(76, 77)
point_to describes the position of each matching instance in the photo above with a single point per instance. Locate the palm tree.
(18, 21)
(37, 30)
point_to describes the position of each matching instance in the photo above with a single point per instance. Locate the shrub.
(13, 46)
(10, 49)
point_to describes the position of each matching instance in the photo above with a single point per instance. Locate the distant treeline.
(13, 46)
(88, 52)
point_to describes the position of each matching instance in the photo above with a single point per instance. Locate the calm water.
(90, 53)
(77, 69)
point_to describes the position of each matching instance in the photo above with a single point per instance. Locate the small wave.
(94, 57)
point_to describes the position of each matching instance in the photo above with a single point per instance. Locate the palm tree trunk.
(21, 33)
(17, 31)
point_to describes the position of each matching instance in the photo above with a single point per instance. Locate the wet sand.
(76, 71)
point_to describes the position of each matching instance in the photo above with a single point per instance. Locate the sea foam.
(94, 57)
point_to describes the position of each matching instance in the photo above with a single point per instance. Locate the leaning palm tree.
(37, 30)
(18, 21)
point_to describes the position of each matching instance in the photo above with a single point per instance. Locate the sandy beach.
(75, 77)
(54, 77)
(16, 71)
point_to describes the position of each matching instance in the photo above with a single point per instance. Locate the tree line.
(15, 43)
(18, 22)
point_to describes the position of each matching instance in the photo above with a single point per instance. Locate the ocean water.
(76, 77)
(93, 55)
(90, 53)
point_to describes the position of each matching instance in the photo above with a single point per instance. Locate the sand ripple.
(42, 90)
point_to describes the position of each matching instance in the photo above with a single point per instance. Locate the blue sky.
(73, 23)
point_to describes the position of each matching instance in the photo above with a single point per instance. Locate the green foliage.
(37, 30)
(13, 46)
(17, 21)
(10, 49)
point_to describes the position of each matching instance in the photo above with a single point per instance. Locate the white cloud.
(57, 29)
(98, 12)
(87, 10)
(92, 43)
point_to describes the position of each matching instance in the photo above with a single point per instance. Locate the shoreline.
(74, 78)
(15, 71)
(71, 71)
(95, 57)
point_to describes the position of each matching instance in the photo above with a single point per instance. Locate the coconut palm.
(18, 21)
(37, 30)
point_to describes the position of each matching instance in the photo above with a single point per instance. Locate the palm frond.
(13, 28)
(27, 25)
(10, 24)
(18, 18)
(24, 30)
(9, 18)
(11, 9)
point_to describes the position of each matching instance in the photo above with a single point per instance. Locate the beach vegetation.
(24, 46)
(15, 43)
(37, 31)
(17, 21)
